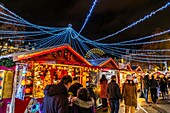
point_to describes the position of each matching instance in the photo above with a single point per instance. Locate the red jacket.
(103, 89)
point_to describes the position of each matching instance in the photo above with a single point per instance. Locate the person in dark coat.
(163, 87)
(75, 87)
(56, 96)
(73, 92)
(166, 80)
(92, 93)
(146, 85)
(113, 92)
(154, 88)
(83, 103)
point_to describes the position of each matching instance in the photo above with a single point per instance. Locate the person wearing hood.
(83, 103)
(129, 94)
(75, 86)
(56, 96)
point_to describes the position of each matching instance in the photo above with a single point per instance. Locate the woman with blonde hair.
(129, 94)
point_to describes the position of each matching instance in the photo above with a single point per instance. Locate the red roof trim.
(42, 52)
(109, 60)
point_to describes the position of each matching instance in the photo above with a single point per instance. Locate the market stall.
(107, 67)
(124, 69)
(157, 74)
(168, 77)
(138, 75)
(6, 82)
(47, 66)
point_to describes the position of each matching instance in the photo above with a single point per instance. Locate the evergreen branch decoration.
(7, 62)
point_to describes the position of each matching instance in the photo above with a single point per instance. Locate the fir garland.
(7, 62)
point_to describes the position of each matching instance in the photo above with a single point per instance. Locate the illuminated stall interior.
(47, 66)
(138, 74)
(107, 67)
(137, 70)
(6, 81)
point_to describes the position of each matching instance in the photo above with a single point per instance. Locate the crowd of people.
(68, 97)
(111, 92)
(155, 86)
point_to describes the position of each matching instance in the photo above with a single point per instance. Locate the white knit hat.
(129, 77)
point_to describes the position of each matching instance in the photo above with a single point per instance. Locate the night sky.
(108, 16)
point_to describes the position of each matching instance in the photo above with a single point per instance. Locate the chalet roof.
(136, 68)
(129, 67)
(97, 62)
(158, 73)
(33, 53)
(102, 61)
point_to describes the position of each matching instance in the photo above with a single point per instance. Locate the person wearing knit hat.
(129, 94)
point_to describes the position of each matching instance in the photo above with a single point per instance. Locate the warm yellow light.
(122, 60)
(38, 83)
(98, 90)
(23, 82)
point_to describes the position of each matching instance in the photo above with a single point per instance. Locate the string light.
(88, 16)
(142, 43)
(146, 37)
(153, 55)
(26, 22)
(121, 55)
(142, 58)
(149, 62)
(135, 23)
(60, 36)
(137, 50)
(86, 40)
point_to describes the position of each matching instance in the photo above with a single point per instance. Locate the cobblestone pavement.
(162, 106)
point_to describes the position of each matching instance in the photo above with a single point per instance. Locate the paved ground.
(162, 106)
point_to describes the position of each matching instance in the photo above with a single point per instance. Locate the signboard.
(20, 85)
(8, 81)
(1, 82)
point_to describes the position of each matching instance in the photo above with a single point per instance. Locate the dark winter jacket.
(113, 90)
(56, 99)
(146, 83)
(154, 83)
(74, 88)
(163, 85)
(81, 106)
